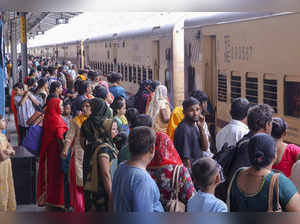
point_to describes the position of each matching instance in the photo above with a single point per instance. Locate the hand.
(201, 121)
(9, 152)
(64, 154)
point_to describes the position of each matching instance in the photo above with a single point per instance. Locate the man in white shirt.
(237, 128)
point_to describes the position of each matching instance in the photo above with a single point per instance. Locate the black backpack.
(226, 158)
(131, 102)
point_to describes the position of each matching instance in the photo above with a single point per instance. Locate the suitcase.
(24, 174)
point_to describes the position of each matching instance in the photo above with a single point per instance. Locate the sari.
(176, 117)
(159, 101)
(50, 183)
(14, 110)
(75, 169)
(96, 198)
(162, 166)
(141, 96)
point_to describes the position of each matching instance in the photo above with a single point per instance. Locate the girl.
(119, 108)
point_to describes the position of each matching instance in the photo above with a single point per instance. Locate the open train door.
(210, 87)
(155, 59)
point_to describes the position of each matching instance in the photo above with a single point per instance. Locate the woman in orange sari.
(50, 186)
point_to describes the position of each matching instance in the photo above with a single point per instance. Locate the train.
(227, 55)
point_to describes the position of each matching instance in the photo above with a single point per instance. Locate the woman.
(7, 190)
(176, 117)
(142, 95)
(295, 177)
(91, 132)
(161, 169)
(249, 187)
(42, 91)
(75, 171)
(84, 92)
(102, 165)
(287, 154)
(55, 90)
(50, 186)
(159, 109)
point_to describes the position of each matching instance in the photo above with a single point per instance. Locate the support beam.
(13, 50)
(23, 35)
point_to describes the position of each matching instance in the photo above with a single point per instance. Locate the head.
(239, 109)
(146, 85)
(101, 92)
(261, 151)
(114, 129)
(33, 73)
(142, 120)
(121, 140)
(56, 88)
(94, 76)
(2, 122)
(119, 106)
(154, 84)
(86, 108)
(131, 114)
(141, 143)
(279, 127)
(191, 109)
(20, 89)
(161, 92)
(202, 98)
(42, 84)
(206, 173)
(115, 77)
(85, 88)
(31, 83)
(260, 118)
(67, 108)
(52, 71)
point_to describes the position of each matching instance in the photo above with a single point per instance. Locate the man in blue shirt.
(134, 190)
(117, 90)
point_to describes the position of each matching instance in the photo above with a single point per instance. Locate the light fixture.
(62, 19)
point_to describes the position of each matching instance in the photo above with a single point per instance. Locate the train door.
(191, 79)
(155, 59)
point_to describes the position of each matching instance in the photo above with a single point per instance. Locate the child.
(119, 108)
(207, 175)
(131, 114)
(67, 112)
(7, 191)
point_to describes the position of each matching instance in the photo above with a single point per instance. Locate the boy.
(207, 175)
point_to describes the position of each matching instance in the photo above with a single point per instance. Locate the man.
(237, 128)
(189, 138)
(24, 102)
(53, 75)
(134, 190)
(259, 121)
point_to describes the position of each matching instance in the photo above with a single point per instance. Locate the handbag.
(274, 183)
(32, 140)
(174, 204)
(37, 117)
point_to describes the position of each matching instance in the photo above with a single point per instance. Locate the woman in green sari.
(100, 157)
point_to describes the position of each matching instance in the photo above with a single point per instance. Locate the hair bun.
(259, 156)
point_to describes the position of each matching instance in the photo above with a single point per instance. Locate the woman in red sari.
(50, 186)
(162, 166)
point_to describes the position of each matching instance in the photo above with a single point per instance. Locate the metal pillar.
(23, 39)
(13, 50)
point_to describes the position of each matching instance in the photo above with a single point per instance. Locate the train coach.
(230, 55)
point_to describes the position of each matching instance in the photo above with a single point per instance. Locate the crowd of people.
(102, 150)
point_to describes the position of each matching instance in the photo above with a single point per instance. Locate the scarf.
(159, 101)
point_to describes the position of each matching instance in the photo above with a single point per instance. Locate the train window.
(292, 98)
(123, 44)
(150, 74)
(130, 73)
(134, 74)
(270, 93)
(111, 67)
(235, 86)
(139, 75)
(144, 73)
(109, 44)
(126, 73)
(122, 72)
(251, 89)
(106, 69)
(222, 87)
(167, 79)
(98, 65)
(119, 68)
